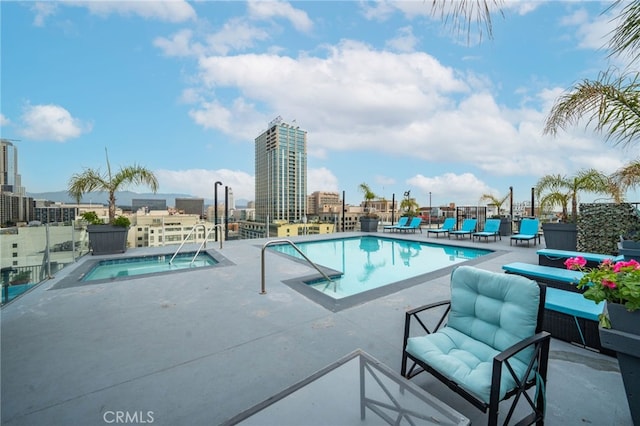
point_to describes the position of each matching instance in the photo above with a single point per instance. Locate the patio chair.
(414, 225)
(491, 229)
(468, 228)
(529, 230)
(448, 225)
(488, 346)
(401, 222)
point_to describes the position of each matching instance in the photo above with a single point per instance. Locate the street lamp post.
(430, 210)
(215, 206)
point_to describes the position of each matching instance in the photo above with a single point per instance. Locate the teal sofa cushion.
(490, 312)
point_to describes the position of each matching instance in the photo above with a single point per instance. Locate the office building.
(15, 206)
(281, 173)
(148, 204)
(190, 206)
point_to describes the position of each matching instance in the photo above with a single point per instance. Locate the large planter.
(624, 339)
(629, 251)
(560, 236)
(107, 239)
(505, 226)
(369, 224)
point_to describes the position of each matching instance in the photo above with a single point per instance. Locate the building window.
(14, 245)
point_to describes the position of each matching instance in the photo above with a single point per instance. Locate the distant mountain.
(123, 198)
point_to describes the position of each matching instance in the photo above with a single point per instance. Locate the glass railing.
(30, 255)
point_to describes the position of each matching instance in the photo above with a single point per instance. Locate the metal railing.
(263, 289)
(204, 243)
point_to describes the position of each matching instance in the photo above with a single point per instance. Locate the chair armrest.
(521, 345)
(538, 364)
(414, 313)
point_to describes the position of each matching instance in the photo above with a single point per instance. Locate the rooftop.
(199, 347)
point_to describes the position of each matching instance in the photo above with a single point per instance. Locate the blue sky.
(388, 94)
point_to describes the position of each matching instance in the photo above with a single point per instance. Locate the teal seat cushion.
(490, 312)
(544, 272)
(463, 360)
(573, 304)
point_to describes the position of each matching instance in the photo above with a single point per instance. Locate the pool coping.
(74, 278)
(300, 284)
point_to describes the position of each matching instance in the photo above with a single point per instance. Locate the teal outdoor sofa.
(487, 345)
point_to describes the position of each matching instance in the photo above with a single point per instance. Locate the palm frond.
(462, 15)
(611, 103)
(625, 38)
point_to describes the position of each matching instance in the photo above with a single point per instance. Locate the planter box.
(560, 236)
(505, 227)
(623, 339)
(107, 239)
(629, 251)
(369, 224)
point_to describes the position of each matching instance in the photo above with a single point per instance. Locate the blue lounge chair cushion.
(468, 227)
(448, 225)
(491, 229)
(565, 254)
(401, 222)
(573, 304)
(413, 225)
(543, 272)
(489, 313)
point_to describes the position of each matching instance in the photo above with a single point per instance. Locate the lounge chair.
(491, 229)
(448, 225)
(415, 223)
(486, 350)
(468, 228)
(529, 230)
(401, 222)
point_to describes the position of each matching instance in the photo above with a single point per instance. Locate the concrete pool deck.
(201, 346)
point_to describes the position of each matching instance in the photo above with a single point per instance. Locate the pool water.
(371, 262)
(115, 268)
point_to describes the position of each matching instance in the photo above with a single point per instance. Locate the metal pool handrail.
(263, 289)
(204, 243)
(197, 225)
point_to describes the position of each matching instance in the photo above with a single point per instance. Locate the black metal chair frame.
(538, 365)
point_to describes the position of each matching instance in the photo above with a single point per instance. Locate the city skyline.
(388, 94)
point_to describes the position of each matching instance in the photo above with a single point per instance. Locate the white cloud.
(51, 123)
(42, 11)
(199, 182)
(4, 121)
(273, 9)
(179, 44)
(406, 105)
(169, 11)
(321, 179)
(236, 35)
(465, 188)
(405, 41)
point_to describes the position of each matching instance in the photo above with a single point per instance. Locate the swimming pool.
(366, 263)
(132, 266)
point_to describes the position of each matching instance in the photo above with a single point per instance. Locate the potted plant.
(557, 191)
(111, 237)
(505, 221)
(369, 221)
(618, 284)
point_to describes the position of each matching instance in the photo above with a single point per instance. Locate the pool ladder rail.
(203, 244)
(263, 289)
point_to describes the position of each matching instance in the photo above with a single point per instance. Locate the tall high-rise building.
(15, 206)
(9, 177)
(281, 173)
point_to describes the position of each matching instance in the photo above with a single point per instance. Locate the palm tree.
(93, 180)
(409, 204)
(628, 176)
(498, 202)
(558, 190)
(368, 194)
(611, 102)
